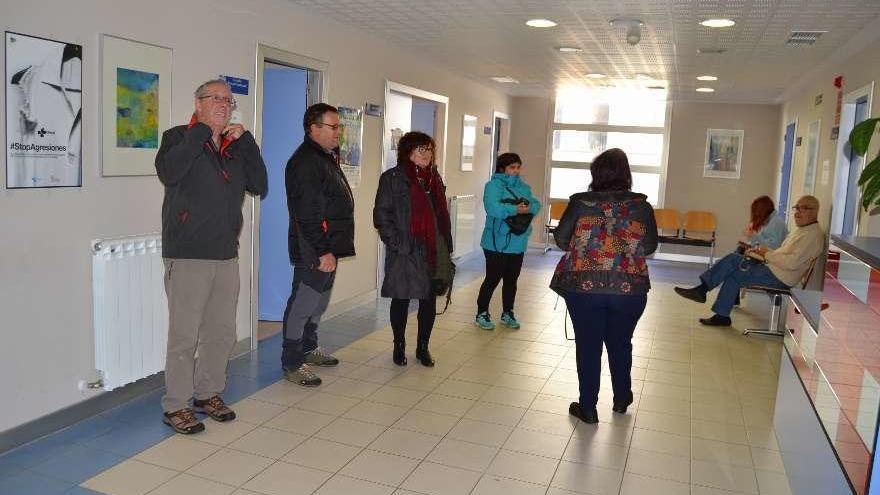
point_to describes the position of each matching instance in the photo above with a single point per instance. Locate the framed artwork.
(468, 141)
(135, 105)
(350, 144)
(812, 157)
(43, 112)
(723, 153)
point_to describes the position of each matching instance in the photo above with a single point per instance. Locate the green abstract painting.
(137, 109)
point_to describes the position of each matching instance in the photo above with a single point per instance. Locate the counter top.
(866, 249)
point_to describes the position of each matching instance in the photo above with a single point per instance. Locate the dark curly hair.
(410, 141)
(610, 171)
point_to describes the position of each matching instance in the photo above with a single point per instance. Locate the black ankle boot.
(621, 405)
(423, 354)
(399, 356)
(590, 417)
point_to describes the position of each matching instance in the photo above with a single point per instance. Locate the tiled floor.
(490, 418)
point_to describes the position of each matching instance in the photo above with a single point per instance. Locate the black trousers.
(608, 319)
(500, 266)
(426, 315)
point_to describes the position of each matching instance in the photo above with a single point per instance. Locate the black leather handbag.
(520, 222)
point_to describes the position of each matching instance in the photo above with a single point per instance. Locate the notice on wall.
(826, 173)
(352, 120)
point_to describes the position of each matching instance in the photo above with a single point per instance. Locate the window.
(587, 121)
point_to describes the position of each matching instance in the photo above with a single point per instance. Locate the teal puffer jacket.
(496, 234)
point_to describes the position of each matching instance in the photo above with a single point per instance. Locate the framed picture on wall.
(723, 153)
(350, 144)
(468, 142)
(135, 105)
(43, 112)
(812, 156)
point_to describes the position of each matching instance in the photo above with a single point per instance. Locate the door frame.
(441, 124)
(842, 162)
(793, 121)
(503, 116)
(317, 79)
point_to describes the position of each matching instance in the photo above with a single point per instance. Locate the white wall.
(45, 297)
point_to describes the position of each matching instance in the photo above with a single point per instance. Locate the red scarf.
(423, 224)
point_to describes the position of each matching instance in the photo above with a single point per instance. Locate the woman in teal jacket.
(504, 196)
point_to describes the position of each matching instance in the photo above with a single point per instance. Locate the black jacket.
(407, 274)
(606, 237)
(204, 191)
(320, 205)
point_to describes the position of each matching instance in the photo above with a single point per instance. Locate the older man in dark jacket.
(321, 208)
(206, 167)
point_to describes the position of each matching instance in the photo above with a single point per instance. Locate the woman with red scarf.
(411, 216)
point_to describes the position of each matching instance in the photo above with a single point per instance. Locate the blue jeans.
(608, 319)
(732, 273)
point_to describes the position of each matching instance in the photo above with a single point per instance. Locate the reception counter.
(833, 345)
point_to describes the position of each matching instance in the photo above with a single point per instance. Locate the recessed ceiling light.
(595, 75)
(705, 90)
(540, 23)
(570, 49)
(717, 23)
(707, 78)
(504, 79)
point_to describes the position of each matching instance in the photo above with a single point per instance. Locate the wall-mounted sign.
(818, 99)
(835, 132)
(238, 85)
(797, 142)
(487, 130)
(373, 109)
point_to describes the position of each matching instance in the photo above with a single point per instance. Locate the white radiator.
(129, 308)
(462, 209)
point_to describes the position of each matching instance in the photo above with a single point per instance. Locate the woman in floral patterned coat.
(606, 234)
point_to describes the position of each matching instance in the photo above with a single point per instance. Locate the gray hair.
(202, 89)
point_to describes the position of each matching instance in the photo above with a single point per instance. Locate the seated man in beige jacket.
(782, 267)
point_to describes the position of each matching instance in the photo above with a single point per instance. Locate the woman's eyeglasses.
(220, 99)
(425, 149)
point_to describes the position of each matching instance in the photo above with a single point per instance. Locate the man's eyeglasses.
(331, 126)
(424, 149)
(803, 208)
(220, 99)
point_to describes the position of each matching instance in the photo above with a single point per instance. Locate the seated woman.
(765, 228)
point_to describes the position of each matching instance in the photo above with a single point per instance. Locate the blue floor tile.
(37, 451)
(86, 429)
(29, 483)
(128, 440)
(78, 465)
(238, 387)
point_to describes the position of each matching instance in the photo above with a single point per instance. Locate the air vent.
(800, 38)
(708, 51)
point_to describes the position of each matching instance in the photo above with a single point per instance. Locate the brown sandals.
(183, 421)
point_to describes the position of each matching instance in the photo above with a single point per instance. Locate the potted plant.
(869, 181)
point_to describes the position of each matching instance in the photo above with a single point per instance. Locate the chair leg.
(547, 243)
(773, 329)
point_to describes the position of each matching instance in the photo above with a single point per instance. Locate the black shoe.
(716, 321)
(620, 406)
(694, 293)
(399, 356)
(424, 355)
(590, 417)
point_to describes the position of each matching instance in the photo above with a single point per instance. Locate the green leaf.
(871, 192)
(872, 170)
(860, 137)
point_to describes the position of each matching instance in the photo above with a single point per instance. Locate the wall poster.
(43, 112)
(350, 144)
(135, 105)
(723, 153)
